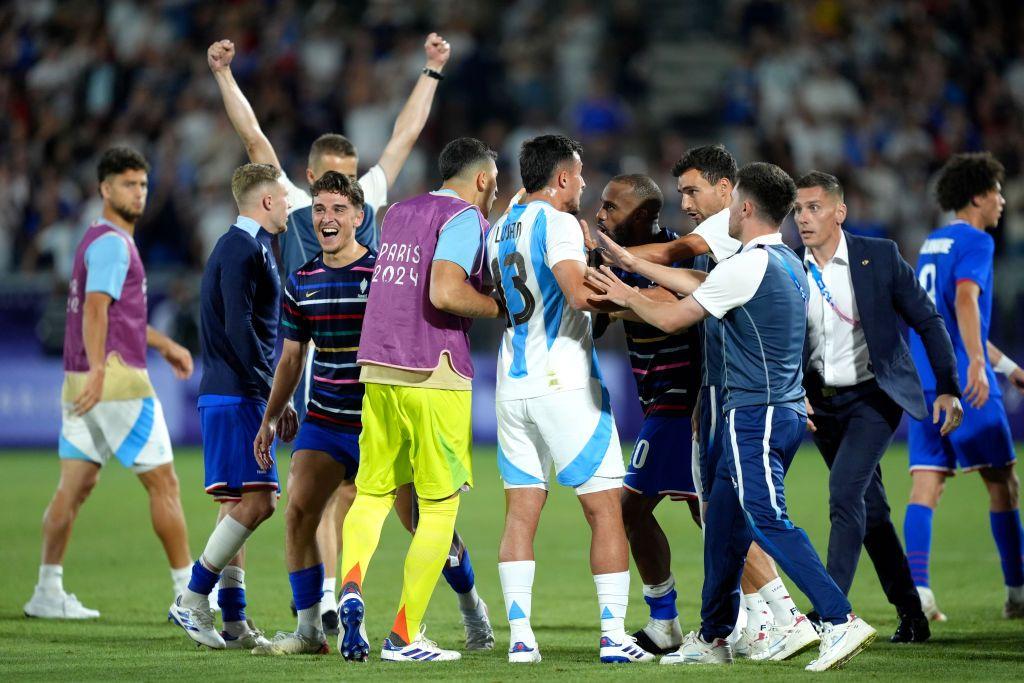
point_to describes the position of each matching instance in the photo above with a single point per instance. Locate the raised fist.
(438, 51)
(220, 54)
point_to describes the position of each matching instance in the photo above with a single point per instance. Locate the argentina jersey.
(299, 244)
(952, 254)
(547, 345)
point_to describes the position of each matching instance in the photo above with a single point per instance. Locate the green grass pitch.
(115, 564)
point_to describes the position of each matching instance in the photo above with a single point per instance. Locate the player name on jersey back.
(547, 345)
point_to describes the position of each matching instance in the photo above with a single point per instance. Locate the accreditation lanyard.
(789, 269)
(827, 295)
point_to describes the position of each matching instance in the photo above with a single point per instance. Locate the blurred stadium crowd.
(879, 93)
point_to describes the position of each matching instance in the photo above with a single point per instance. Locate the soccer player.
(551, 403)
(760, 296)
(299, 244)
(324, 304)
(955, 268)
(667, 373)
(241, 293)
(417, 372)
(109, 407)
(772, 626)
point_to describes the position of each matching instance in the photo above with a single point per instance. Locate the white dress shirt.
(839, 351)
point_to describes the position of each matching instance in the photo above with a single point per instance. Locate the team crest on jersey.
(363, 285)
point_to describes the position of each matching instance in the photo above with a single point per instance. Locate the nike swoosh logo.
(309, 294)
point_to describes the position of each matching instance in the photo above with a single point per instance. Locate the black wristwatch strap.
(427, 71)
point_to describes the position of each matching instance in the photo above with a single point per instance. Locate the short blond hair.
(249, 177)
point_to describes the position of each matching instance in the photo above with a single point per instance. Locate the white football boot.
(931, 610)
(197, 622)
(352, 641)
(785, 642)
(695, 650)
(842, 642)
(57, 605)
(660, 636)
(625, 651)
(251, 639)
(293, 644)
(751, 645)
(521, 652)
(421, 649)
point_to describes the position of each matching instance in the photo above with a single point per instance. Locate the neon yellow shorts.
(415, 435)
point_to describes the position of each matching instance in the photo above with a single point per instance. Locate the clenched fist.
(438, 51)
(220, 54)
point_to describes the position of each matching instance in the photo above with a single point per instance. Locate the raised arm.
(239, 111)
(413, 116)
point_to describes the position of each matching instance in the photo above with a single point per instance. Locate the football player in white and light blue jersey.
(955, 268)
(552, 406)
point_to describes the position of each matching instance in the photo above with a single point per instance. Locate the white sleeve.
(375, 187)
(564, 240)
(733, 282)
(715, 231)
(297, 197)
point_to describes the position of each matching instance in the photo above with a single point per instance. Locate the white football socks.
(180, 578)
(759, 615)
(51, 578)
(329, 601)
(660, 590)
(517, 588)
(612, 599)
(781, 605)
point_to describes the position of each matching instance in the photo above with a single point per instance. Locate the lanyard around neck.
(827, 295)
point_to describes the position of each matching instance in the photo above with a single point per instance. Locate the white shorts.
(133, 431)
(574, 430)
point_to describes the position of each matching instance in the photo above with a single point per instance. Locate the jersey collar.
(249, 225)
(770, 238)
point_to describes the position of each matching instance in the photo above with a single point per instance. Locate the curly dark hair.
(118, 160)
(965, 176)
(713, 161)
(770, 189)
(540, 156)
(339, 183)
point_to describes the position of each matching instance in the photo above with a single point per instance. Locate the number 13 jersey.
(547, 345)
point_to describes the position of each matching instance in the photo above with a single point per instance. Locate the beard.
(127, 213)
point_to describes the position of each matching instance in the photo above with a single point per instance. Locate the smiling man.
(324, 304)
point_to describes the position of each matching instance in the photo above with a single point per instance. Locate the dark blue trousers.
(748, 503)
(854, 428)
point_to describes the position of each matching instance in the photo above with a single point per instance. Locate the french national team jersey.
(665, 366)
(950, 255)
(299, 244)
(326, 305)
(547, 345)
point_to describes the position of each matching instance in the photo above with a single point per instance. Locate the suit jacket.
(886, 290)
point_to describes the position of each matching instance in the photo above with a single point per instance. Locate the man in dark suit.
(859, 380)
